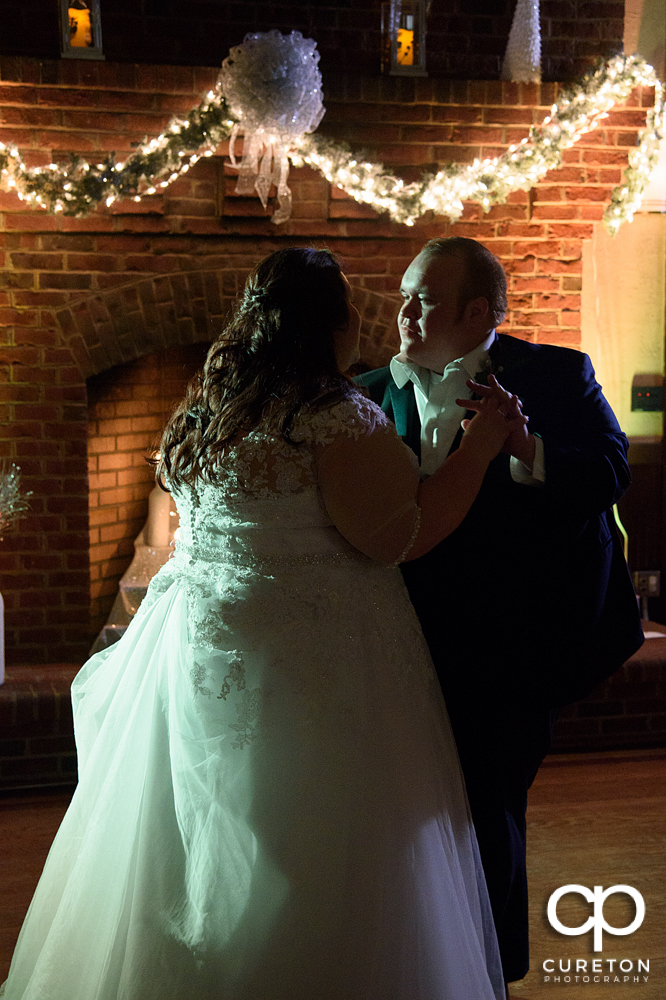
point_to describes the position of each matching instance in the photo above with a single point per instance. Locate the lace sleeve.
(368, 480)
(351, 418)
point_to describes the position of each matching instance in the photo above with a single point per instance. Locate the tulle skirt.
(280, 817)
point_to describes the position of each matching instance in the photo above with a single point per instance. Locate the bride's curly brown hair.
(276, 353)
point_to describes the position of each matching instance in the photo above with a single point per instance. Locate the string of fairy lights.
(78, 187)
(579, 109)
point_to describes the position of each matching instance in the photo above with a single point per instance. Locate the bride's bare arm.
(371, 489)
(369, 486)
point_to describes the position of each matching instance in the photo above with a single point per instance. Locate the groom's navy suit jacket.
(530, 598)
(527, 604)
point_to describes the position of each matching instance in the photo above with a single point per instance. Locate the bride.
(270, 805)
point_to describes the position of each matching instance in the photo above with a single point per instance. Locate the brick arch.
(150, 314)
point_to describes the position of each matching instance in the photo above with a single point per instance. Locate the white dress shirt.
(440, 415)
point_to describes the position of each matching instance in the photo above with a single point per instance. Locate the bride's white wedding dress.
(270, 805)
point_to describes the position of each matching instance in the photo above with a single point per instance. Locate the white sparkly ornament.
(272, 84)
(522, 59)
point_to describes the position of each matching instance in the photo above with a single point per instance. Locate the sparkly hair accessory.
(256, 296)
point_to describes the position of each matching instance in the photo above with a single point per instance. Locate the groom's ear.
(477, 309)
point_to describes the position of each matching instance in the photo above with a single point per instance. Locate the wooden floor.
(598, 819)
(593, 820)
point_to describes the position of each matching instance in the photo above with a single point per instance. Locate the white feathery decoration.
(522, 59)
(13, 502)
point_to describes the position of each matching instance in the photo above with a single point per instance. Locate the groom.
(528, 604)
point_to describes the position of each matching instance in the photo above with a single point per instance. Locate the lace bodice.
(263, 466)
(267, 502)
(260, 554)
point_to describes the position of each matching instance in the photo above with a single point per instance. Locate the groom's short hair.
(484, 275)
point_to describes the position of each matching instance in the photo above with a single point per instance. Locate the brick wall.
(81, 296)
(466, 38)
(626, 711)
(36, 727)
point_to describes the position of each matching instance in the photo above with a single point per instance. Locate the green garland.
(79, 187)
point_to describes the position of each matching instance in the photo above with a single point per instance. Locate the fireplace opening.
(128, 407)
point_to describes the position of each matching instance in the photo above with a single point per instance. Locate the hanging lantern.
(403, 37)
(80, 29)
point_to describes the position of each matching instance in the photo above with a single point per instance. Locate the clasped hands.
(518, 443)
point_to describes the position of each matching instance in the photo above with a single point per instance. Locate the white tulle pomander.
(272, 84)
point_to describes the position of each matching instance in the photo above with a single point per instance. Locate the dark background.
(466, 38)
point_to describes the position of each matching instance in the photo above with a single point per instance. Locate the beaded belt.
(252, 560)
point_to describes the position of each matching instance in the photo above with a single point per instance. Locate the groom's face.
(433, 328)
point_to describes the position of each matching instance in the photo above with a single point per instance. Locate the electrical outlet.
(647, 392)
(647, 582)
(647, 397)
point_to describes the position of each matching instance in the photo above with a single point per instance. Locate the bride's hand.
(509, 404)
(498, 417)
(519, 442)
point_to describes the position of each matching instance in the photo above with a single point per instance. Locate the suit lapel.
(406, 415)
(508, 356)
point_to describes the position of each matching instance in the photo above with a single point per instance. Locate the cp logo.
(597, 898)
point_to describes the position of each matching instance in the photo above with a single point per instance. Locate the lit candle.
(80, 30)
(406, 42)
